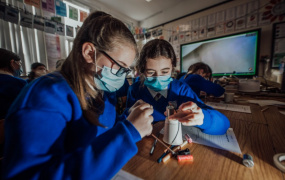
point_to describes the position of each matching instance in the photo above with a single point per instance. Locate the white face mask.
(108, 81)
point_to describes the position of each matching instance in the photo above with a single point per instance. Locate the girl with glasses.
(156, 86)
(62, 126)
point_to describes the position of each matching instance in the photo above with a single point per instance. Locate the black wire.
(176, 133)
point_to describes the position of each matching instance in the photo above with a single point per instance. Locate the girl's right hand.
(141, 117)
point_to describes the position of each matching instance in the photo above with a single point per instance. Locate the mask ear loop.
(96, 75)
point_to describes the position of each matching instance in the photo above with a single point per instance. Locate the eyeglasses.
(121, 69)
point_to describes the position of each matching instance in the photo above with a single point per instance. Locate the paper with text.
(230, 107)
(227, 141)
(123, 175)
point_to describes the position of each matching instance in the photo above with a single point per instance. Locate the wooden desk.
(260, 134)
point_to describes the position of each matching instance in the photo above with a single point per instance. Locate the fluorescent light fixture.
(147, 0)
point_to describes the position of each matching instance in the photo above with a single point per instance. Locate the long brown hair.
(105, 32)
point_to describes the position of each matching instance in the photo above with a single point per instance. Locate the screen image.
(228, 55)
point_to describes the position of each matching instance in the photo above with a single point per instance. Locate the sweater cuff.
(134, 132)
(207, 122)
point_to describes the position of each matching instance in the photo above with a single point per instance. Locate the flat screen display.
(235, 54)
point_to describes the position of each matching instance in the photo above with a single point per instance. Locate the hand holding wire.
(189, 114)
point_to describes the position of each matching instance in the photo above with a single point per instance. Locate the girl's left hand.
(189, 114)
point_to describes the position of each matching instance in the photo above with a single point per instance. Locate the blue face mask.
(108, 81)
(158, 83)
(18, 72)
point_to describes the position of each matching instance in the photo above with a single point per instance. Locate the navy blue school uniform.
(47, 136)
(198, 83)
(123, 91)
(10, 88)
(178, 92)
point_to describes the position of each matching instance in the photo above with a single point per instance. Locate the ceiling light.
(147, 0)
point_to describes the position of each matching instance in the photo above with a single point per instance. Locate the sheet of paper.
(227, 141)
(230, 107)
(266, 102)
(123, 175)
(282, 112)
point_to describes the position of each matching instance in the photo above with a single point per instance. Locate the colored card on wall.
(83, 16)
(50, 26)
(60, 8)
(39, 23)
(220, 28)
(60, 29)
(69, 31)
(73, 13)
(53, 50)
(26, 19)
(35, 3)
(48, 5)
(56, 19)
(2, 10)
(11, 15)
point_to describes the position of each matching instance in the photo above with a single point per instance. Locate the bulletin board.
(278, 44)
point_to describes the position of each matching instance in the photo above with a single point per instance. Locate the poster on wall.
(11, 15)
(69, 31)
(195, 24)
(202, 32)
(203, 26)
(48, 5)
(56, 19)
(240, 14)
(188, 36)
(39, 23)
(35, 3)
(153, 33)
(211, 30)
(252, 11)
(175, 38)
(77, 29)
(60, 8)
(278, 44)
(2, 10)
(73, 13)
(195, 34)
(83, 15)
(60, 29)
(263, 20)
(53, 50)
(181, 37)
(50, 26)
(195, 29)
(159, 32)
(252, 20)
(26, 19)
(220, 18)
(230, 20)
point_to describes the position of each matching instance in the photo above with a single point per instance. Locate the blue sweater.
(123, 91)
(47, 136)
(214, 122)
(198, 83)
(10, 88)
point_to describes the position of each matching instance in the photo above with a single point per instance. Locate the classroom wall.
(266, 30)
(177, 10)
(33, 45)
